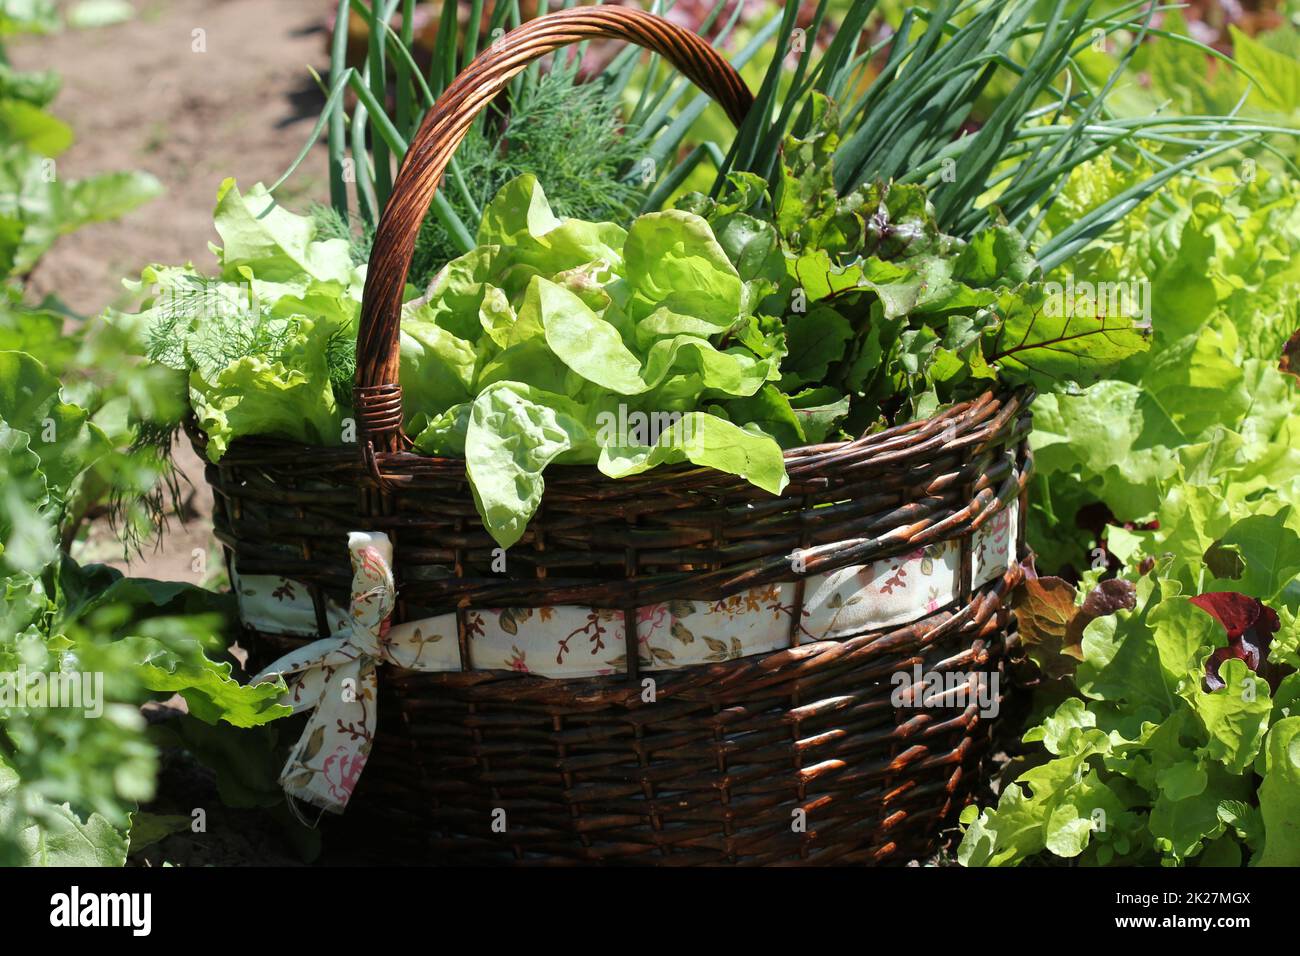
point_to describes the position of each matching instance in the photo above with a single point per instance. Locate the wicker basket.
(796, 755)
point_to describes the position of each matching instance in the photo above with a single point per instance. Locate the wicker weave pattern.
(679, 534)
(708, 774)
(713, 768)
(711, 771)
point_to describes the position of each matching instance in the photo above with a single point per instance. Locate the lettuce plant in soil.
(1170, 718)
(70, 786)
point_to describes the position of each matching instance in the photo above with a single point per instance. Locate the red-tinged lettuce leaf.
(1237, 613)
(1290, 362)
(1224, 561)
(1106, 598)
(1052, 625)
(1250, 625)
(1269, 547)
(1044, 609)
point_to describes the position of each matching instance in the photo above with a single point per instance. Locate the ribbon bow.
(336, 677)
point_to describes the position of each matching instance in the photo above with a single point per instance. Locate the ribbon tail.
(305, 670)
(325, 763)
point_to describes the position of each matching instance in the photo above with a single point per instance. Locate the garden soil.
(192, 91)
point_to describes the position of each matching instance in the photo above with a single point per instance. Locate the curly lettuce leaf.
(515, 431)
(707, 440)
(60, 434)
(264, 240)
(291, 399)
(1279, 796)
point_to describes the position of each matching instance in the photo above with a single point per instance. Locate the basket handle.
(376, 393)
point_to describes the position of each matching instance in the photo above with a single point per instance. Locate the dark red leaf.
(1250, 624)
(1290, 362)
(1051, 626)
(1234, 611)
(1108, 597)
(1213, 681)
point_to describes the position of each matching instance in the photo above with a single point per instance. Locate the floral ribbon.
(335, 678)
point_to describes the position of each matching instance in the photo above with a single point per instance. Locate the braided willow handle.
(377, 394)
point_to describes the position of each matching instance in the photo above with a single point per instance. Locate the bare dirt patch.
(192, 91)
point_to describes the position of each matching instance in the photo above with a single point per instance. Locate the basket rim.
(971, 421)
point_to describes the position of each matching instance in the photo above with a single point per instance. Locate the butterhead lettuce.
(567, 334)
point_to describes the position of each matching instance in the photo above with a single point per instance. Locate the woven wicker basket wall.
(714, 769)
